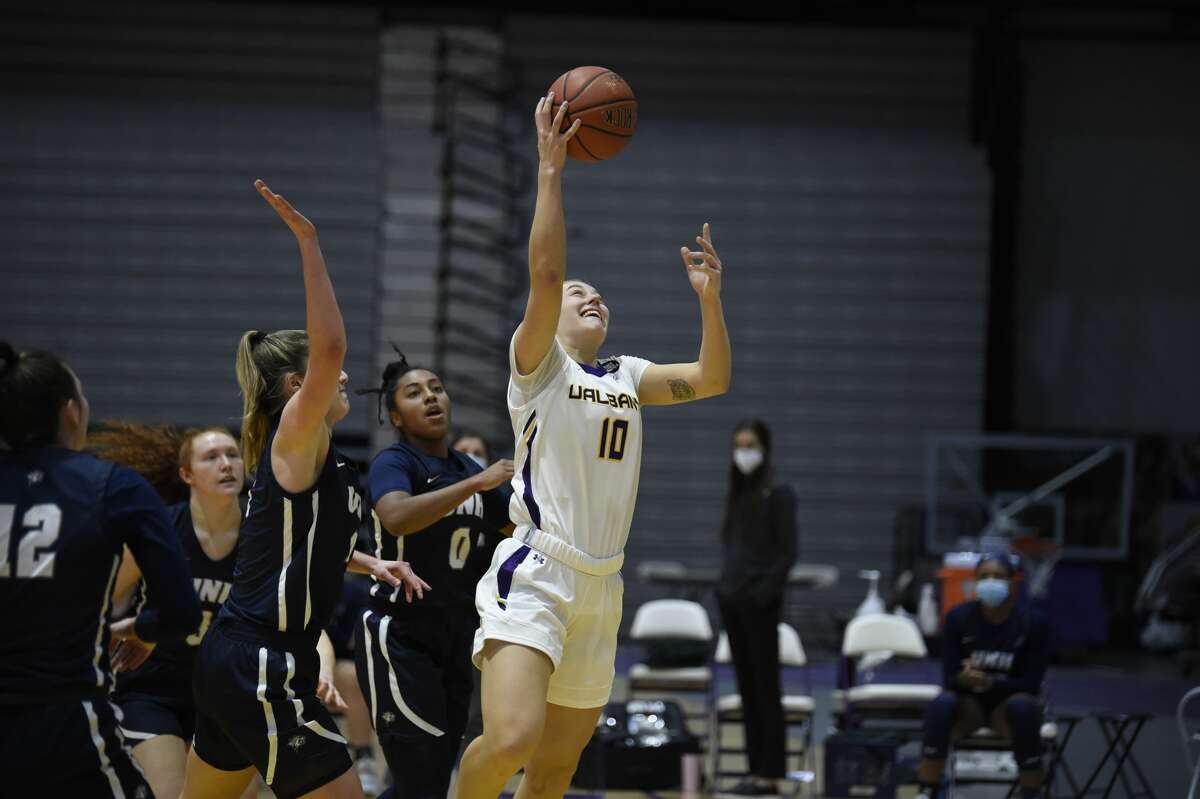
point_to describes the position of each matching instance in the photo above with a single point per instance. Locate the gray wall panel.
(134, 243)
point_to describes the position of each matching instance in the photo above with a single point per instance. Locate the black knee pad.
(1025, 722)
(940, 718)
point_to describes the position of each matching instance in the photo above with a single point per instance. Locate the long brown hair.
(156, 452)
(263, 361)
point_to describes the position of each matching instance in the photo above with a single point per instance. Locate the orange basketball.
(604, 103)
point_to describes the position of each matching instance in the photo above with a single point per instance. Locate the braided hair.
(389, 382)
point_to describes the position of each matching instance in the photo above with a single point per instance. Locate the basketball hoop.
(1039, 556)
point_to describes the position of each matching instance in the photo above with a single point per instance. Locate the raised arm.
(547, 240)
(303, 437)
(709, 374)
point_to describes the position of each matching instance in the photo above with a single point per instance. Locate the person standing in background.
(758, 546)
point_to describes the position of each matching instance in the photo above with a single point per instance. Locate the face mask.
(992, 592)
(747, 459)
(482, 463)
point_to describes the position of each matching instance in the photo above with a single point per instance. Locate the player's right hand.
(126, 651)
(499, 472)
(552, 139)
(296, 221)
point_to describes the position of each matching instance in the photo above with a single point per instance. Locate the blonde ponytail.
(263, 360)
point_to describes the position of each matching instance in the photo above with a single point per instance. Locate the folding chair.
(673, 619)
(899, 706)
(1054, 740)
(797, 709)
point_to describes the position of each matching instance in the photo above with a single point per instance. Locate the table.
(1121, 731)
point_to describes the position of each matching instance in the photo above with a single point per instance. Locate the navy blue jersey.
(450, 554)
(64, 517)
(211, 580)
(1013, 653)
(293, 548)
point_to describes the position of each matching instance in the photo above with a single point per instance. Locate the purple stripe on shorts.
(505, 575)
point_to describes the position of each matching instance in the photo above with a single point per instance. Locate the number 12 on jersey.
(613, 433)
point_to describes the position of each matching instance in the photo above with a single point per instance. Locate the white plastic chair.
(873, 634)
(678, 619)
(797, 709)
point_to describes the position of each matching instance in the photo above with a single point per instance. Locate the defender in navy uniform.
(438, 509)
(994, 654)
(256, 673)
(64, 518)
(154, 682)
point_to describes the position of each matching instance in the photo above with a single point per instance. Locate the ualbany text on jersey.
(585, 394)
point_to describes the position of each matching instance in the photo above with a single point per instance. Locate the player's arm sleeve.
(1032, 660)
(392, 470)
(952, 651)
(139, 519)
(530, 385)
(783, 534)
(636, 366)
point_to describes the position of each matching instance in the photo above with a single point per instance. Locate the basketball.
(605, 106)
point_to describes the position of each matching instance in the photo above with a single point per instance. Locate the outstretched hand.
(328, 693)
(552, 139)
(296, 221)
(397, 573)
(703, 266)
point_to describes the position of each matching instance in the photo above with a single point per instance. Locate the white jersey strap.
(566, 554)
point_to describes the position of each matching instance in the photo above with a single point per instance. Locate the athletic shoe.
(369, 776)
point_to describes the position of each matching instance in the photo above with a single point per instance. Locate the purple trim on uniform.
(535, 513)
(505, 575)
(525, 429)
(598, 371)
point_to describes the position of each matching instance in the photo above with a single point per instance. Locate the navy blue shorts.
(348, 615)
(256, 705)
(156, 700)
(71, 748)
(416, 673)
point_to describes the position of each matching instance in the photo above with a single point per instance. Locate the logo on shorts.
(142, 792)
(34, 477)
(296, 742)
(388, 717)
(538, 558)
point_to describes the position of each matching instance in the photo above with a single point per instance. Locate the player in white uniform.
(550, 604)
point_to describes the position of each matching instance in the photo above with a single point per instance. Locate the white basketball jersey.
(578, 449)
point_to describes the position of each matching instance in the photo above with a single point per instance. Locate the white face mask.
(482, 463)
(747, 459)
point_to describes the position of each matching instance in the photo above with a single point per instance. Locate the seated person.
(994, 659)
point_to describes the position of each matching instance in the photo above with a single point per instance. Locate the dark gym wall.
(1108, 290)
(133, 242)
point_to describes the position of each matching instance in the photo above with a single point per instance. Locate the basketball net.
(1039, 556)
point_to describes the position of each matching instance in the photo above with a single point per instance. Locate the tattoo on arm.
(681, 389)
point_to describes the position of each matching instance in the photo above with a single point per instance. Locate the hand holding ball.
(605, 106)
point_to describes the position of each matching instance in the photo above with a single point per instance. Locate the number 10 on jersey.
(613, 433)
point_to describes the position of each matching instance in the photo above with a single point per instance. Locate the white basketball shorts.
(529, 598)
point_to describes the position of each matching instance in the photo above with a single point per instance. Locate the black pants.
(754, 644)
